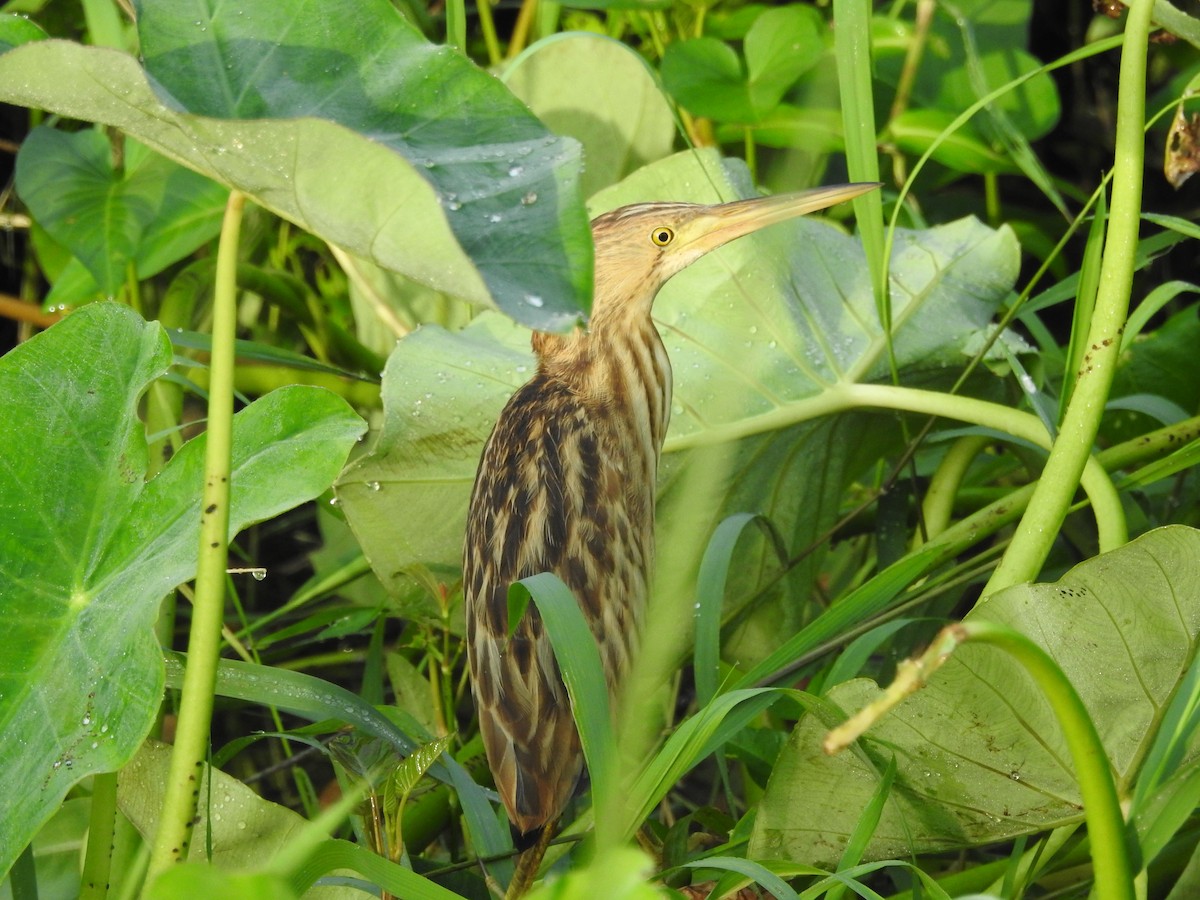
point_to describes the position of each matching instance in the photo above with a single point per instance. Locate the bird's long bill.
(726, 221)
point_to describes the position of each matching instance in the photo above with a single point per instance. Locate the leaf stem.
(842, 397)
(1039, 527)
(97, 861)
(195, 714)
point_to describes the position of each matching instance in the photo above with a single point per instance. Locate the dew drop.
(258, 574)
(529, 199)
(516, 171)
(87, 719)
(495, 218)
(374, 486)
(334, 501)
(535, 301)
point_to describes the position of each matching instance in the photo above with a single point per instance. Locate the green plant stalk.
(456, 24)
(97, 860)
(488, 26)
(1111, 865)
(938, 505)
(852, 46)
(174, 835)
(1044, 516)
(843, 397)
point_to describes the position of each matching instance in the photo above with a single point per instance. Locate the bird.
(566, 484)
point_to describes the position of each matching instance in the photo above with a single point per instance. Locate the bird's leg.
(529, 862)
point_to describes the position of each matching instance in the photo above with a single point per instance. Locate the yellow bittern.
(566, 485)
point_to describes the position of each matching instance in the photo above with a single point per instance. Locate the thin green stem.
(1039, 527)
(1101, 808)
(97, 860)
(23, 876)
(938, 504)
(842, 397)
(174, 835)
(488, 26)
(456, 24)
(852, 46)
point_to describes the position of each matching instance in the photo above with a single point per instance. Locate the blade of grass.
(710, 596)
(695, 739)
(578, 660)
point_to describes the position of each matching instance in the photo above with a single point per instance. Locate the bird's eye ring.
(662, 235)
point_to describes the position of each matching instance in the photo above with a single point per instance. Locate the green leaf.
(90, 548)
(152, 213)
(453, 182)
(705, 75)
(980, 756)
(760, 335)
(1033, 108)
(244, 830)
(914, 130)
(622, 128)
(413, 768)
(16, 30)
(780, 46)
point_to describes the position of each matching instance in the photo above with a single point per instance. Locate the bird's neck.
(618, 368)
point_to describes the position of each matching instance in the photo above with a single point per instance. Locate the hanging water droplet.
(334, 501)
(258, 574)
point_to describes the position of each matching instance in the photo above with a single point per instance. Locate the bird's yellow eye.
(662, 235)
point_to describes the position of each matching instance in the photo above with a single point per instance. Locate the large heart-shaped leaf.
(341, 117)
(150, 213)
(979, 754)
(761, 334)
(623, 127)
(89, 548)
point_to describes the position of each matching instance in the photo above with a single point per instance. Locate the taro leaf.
(152, 213)
(980, 756)
(621, 128)
(780, 46)
(16, 30)
(89, 548)
(707, 77)
(245, 829)
(339, 116)
(760, 333)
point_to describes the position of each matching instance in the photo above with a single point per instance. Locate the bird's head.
(639, 247)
